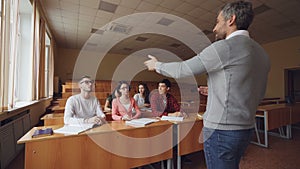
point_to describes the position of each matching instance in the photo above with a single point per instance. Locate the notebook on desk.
(172, 118)
(42, 132)
(140, 122)
(74, 129)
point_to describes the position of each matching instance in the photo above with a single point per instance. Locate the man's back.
(237, 85)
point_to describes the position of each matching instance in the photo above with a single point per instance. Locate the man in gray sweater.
(237, 70)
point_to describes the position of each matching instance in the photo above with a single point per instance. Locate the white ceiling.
(72, 22)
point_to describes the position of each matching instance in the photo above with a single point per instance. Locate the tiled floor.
(281, 154)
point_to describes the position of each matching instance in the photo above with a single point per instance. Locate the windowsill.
(22, 104)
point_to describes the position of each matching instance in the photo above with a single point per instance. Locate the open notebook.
(140, 122)
(74, 128)
(171, 118)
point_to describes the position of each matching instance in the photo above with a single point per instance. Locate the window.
(24, 57)
(2, 94)
(11, 40)
(47, 58)
(0, 14)
(26, 65)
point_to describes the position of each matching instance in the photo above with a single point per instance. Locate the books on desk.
(172, 118)
(73, 129)
(42, 132)
(140, 122)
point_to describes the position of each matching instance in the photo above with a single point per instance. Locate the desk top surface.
(58, 108)
(111, 126)
(272, 106)
(53, 116)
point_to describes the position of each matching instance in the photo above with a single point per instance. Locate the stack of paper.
(140, 122)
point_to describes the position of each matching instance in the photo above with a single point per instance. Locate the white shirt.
(78, 108)
(139, 100)
(238, 32)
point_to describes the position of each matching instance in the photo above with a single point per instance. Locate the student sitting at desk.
(109, 99)
(83, 107)
(142, 97)
(122, 106)
(163, 103)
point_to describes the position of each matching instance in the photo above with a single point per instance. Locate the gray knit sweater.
(237, 76)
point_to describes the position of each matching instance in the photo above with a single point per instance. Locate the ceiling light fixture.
(119, 28)
(142, 39)
(165, 21)
(97, 31)
(261, 9)
(108, 7)
(175, 45)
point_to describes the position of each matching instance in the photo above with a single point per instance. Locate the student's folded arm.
(176, 105)
(154, 110)
(100, 112)
(164, 114)
(70, 113)
(137, 110)
(106, 108)
(70, 119)
(114, 111)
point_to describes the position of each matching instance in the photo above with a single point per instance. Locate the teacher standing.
(237, 68)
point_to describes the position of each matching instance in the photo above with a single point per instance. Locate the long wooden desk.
(295, 113)
(58, 109)
(58, 118)
(188, 138)
(112, 145)
(274, 116)
(53, 119)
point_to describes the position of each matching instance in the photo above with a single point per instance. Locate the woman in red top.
(122, 106)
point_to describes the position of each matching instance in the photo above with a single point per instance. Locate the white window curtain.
(51, 68)
(9, 39)
(14, 38)
(4, 54)
(41, 74)
(36, 52)
(23, 77)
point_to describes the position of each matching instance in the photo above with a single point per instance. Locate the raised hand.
(151, 63)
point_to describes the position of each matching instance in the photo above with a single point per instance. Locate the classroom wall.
(37, 110)
(64, 62)
(283, 54)
(110, 67)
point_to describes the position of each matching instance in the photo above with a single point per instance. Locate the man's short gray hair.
(243, 12)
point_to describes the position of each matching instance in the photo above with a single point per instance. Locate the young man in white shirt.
(83, 107)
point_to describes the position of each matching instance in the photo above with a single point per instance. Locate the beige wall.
(107, 70)
(283, 54)
(38, 109)
(64, 63)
